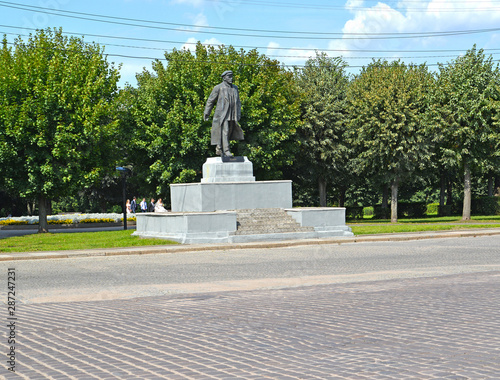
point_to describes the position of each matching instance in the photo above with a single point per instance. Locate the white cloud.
(190, 44)
(436, 16)
(290, 56)
(128, 72)
(200, 20)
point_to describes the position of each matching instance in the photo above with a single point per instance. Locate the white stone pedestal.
(214, 170)
(187, 228)
(206, 212)
(196, 197)
(229, 186)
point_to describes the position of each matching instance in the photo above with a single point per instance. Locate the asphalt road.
(121, 277)
(421, 309)
(21, 232)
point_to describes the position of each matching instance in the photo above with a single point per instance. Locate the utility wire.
(258, 64)
(246, 46)
(343, 7)
(167, 50)
(243, 29)
(299, 35)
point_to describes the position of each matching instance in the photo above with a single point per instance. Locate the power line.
(369, 9)
(285, 56)
(298, 35)
(262, 64)
(248, 46)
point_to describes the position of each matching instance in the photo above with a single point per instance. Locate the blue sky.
(134, 32)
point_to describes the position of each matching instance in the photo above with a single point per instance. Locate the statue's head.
(227, 76)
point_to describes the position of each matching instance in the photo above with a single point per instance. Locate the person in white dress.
(159, 206)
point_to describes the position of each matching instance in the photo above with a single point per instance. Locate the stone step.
(267, 221)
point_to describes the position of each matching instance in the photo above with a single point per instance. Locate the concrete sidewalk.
(257, 245)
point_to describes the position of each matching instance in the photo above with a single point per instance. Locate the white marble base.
(321, 218)
(196, 197)
(214, 170)
(187, 228)
(219, 227)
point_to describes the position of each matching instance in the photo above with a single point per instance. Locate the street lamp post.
(123, 172)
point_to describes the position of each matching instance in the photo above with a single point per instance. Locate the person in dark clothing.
(151, 207)
(133, 205)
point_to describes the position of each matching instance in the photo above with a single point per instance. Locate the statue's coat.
(220, 97)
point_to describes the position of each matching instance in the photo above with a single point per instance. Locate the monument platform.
(236, 169)
(230, 206)
(215, 196)
(229, 186)
(242, 226)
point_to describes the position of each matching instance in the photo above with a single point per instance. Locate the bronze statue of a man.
(227, 113)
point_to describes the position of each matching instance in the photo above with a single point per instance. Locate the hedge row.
(479, 206)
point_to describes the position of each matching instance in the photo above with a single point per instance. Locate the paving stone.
(427, 328)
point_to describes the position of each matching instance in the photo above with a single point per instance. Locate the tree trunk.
(102, 204)
(467, 193)
(491, 183)
(30, 206)
(385, 197)
(442, 193)
(449, 192)
(43, 225)
(497, 185)
(394, 201)
(322, 191)
(342, 192)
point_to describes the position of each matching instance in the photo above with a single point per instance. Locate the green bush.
(354, 212)
(446, 210)
(381, 213)
(411, 209)
(485, 206)
(116, 209)
(432, 209)
(368, 211)
(479, 206)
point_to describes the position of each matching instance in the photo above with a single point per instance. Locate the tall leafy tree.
(323, 83)
(172, 141)
(466, 114)
(56, 116)
(388, 107)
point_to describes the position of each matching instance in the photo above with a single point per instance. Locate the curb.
(63, 226)
(147, 250)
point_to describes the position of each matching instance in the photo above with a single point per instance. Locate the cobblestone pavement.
(427, 328)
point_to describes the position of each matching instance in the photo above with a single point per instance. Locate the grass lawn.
(388, 228)
(76, 240)
(113, 239)
(431, 219)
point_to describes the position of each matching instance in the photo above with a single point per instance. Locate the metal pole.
(124, 201)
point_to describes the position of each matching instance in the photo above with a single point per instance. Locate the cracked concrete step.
(267, 221)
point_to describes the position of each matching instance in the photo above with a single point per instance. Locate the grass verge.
(76, 240)
(395, 228)
(115, 239)
(431, 219)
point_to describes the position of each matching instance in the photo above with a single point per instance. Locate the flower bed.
(66, 219)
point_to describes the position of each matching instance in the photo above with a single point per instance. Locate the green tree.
(171, 139)
(56, 116)
(388, 106)
(323, 83)
(466, 115)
